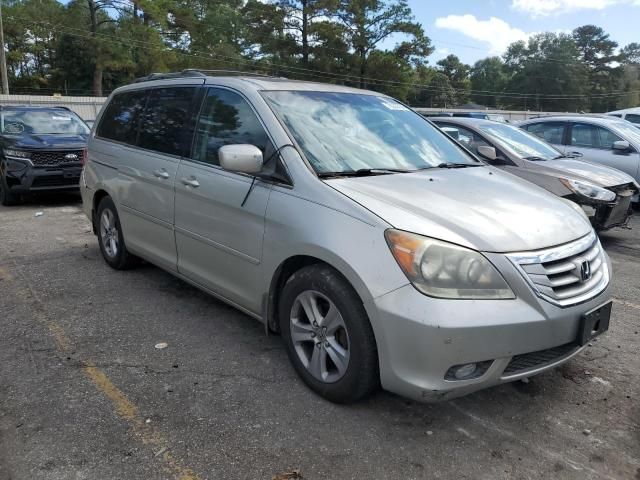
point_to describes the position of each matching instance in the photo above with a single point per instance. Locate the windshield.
(346, 132)
(522, 143)
(628, 131)
(40, 122)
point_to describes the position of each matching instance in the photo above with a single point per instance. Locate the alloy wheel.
(109, 233)
(319, 336)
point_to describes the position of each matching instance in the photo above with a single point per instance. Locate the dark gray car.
(603, 192)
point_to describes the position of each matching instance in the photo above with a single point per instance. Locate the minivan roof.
(244, 80)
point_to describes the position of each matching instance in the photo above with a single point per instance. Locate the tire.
(110, 237)
(337, 357)
(7, 198)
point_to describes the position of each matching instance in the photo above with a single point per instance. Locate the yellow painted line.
(123, 407)
(627, 304)
(5, 275)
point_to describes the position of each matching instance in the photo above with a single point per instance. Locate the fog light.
(467, 371)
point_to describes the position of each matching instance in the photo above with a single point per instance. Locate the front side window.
(347, 132)
(551, 132)
(54, 121)
(120, 119)
(524, 144)
(164, 123)
(592, 136)
(226, 119)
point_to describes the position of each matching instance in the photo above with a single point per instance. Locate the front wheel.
(328, 335)
(7, 198)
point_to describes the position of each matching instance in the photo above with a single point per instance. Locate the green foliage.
(93, 46)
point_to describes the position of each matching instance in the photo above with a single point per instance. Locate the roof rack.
(193, 72)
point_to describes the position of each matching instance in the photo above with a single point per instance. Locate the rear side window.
(592, 136)
(633, 118)
(226, 119)
(552, 132)
(119, 121)
(165, 120)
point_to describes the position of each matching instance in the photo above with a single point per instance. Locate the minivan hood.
(600, 175)
(45, 141)
(478, 207)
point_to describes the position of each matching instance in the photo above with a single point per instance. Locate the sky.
(475, 29)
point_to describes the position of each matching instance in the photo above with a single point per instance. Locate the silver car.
(382, 251)
(603, 192)
(606, 140)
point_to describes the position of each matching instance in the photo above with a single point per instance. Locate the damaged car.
(604, 193)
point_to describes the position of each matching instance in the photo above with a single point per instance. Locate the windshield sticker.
(394, 106)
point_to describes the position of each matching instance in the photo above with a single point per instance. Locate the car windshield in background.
(524, 144)
(628, 131)
(41, 122)
(348, 132)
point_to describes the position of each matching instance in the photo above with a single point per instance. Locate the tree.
(548, 71)
(367, 23)
(439, 92)
(488, 75)
(458, 75)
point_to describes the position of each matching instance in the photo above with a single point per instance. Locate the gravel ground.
(84, 394)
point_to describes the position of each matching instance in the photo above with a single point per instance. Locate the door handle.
(191, 182)
(161, 174)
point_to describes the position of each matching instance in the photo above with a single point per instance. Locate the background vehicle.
(604, 193)
(629, 114)
(382, 251)
(41, 149)
(497, 117)
(608, 141)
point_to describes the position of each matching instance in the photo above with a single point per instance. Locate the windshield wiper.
(534, 158)
(456, 165)
(363, 172)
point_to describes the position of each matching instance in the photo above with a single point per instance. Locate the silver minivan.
(383, 252)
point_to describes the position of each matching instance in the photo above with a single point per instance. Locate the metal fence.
(86, 107)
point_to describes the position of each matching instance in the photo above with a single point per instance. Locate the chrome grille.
(567, 274)
(52, 159)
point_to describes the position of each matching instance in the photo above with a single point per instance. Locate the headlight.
(444, 270)
(589, 190)
(8, 152)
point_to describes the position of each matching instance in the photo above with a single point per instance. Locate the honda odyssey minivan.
(383, 252)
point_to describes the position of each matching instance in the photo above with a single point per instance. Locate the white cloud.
(497, 33)
(540, 8)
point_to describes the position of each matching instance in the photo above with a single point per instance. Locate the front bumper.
(22, 177)
(607, 216)
(420, 338)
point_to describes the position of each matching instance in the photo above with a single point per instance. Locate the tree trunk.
(97, 69)
(97, 80)
(305, 32)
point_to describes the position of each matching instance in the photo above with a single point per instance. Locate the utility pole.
(3, 58)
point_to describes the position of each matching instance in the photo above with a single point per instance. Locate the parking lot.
(84, 393)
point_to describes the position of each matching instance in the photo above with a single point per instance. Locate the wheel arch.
(98, 196)
(287, 268)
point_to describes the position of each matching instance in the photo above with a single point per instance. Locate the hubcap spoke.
(338, 355)
(301, 333)
(310, 305)
(332, 320)
(318, 363)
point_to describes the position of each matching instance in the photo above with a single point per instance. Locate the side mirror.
(487, 152)
(622, 146)
(243, 158)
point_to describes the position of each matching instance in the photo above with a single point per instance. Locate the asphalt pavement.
(85, 393)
